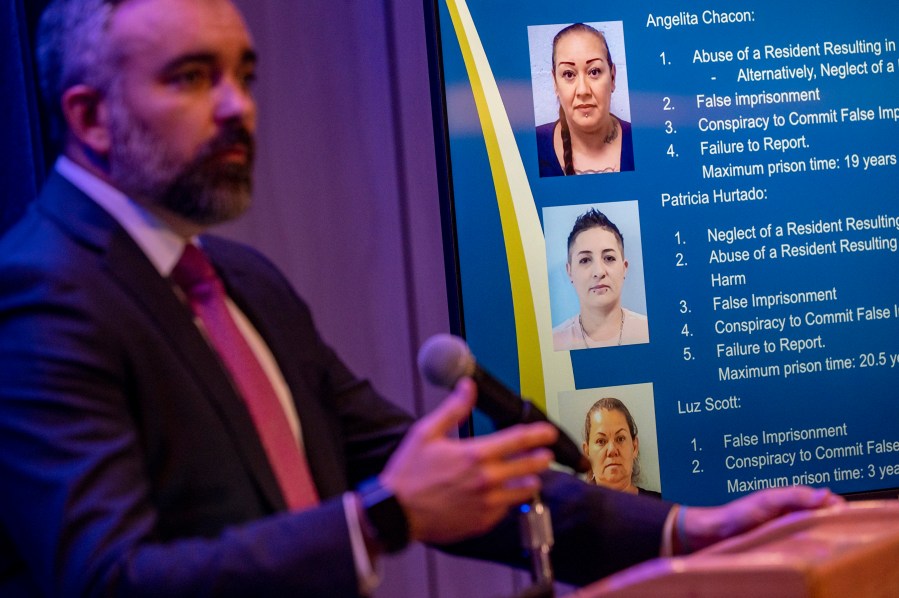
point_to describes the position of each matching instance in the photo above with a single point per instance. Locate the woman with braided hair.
(587, 138)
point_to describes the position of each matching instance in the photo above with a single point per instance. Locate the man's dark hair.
(72, 49)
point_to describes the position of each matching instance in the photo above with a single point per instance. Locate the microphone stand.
(537, 540)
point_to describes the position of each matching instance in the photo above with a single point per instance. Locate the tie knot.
(193, 272)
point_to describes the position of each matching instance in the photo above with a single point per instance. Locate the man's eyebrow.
(179, 61)
(248, 58)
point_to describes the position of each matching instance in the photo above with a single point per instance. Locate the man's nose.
(234, 102)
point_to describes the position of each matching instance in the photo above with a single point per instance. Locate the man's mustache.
(228, 138)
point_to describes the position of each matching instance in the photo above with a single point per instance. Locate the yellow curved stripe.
(543, 372)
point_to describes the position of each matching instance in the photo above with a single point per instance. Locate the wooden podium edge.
(846, 550)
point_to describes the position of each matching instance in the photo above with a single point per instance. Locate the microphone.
(443, 359)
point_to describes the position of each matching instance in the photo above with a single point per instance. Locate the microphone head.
(445, 358)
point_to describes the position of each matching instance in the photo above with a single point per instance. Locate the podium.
(847, 550)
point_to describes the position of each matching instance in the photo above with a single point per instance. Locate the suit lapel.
(266, 311)
(132, 270)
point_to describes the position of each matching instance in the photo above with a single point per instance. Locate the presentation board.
(747, 155)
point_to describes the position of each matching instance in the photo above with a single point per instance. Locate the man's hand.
(452, 489)
(702, 526)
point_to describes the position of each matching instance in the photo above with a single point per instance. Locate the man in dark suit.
(132, 461)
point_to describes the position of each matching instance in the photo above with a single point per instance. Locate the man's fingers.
(451, 412)
(812, 498)
(514, 440)
(788, 499)
(798, 498)
(506, 472)
(745, 513)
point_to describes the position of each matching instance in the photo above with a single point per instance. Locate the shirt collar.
(161, 244)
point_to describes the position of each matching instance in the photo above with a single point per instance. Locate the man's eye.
(248, 80)
(190, 78)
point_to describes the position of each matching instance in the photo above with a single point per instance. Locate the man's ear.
(85, 112)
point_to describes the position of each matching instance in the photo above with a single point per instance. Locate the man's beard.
(204, 190)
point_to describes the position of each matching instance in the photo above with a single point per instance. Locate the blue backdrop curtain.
(22, 160)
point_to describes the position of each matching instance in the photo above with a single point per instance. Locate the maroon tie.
(196, 277)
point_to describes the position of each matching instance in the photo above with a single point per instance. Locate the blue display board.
(760, 223)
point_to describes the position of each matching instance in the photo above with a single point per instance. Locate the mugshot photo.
(596, 286)
(615, 426)
(581, 105)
